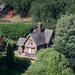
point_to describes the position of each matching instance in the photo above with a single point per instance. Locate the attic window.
(30, 42)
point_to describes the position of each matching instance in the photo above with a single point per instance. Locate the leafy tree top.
(64, 41)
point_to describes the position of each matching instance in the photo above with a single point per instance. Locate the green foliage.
(21, 64)
(2, 48)
(15, 54)
(50, 62)
(7, 41)
(2, 61)
(21, 6)
(3, 20)
(10, 57)
(64, 41)
(49, 11)
(46, 9)
(0, 34)
(14, 30)
(3, 70)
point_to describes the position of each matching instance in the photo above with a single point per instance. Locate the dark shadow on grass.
(20, 65)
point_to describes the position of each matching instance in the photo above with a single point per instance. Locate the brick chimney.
(39, 26)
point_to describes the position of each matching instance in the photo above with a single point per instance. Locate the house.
(38, 39)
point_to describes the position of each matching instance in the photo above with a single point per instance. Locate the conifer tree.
(10, 57)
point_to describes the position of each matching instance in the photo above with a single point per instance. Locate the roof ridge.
(22, 37)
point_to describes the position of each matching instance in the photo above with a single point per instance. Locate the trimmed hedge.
(14, 30)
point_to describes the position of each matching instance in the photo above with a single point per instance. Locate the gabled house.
(38, 39)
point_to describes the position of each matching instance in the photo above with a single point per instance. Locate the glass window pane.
(29, 50)
(32, 50)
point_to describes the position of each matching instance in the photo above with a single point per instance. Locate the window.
(30, 42)
(29, 50)
(32, 50)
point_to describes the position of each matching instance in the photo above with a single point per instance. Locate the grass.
(15, 54)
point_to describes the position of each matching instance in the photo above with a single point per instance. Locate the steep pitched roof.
(38, 38)
(20, 41)
(48, 34)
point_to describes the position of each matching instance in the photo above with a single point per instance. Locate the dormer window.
(30, 42)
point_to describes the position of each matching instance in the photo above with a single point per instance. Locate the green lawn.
(15, 54)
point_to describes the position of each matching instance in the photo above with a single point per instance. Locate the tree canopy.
(64, 41)
(50, 62)
(21, 6)
(49, 11)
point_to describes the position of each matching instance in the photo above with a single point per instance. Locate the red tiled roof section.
(2, 42)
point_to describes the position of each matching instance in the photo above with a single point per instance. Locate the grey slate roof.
(20, 41)
(48, 34)
(38, 38)
(42, 37)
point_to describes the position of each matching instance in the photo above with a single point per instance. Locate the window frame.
(30, 42)
(31, 52)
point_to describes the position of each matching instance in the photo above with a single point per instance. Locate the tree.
(48, 11)
(50, 62)
(21, 6)
(64, 41)
(10, 57)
